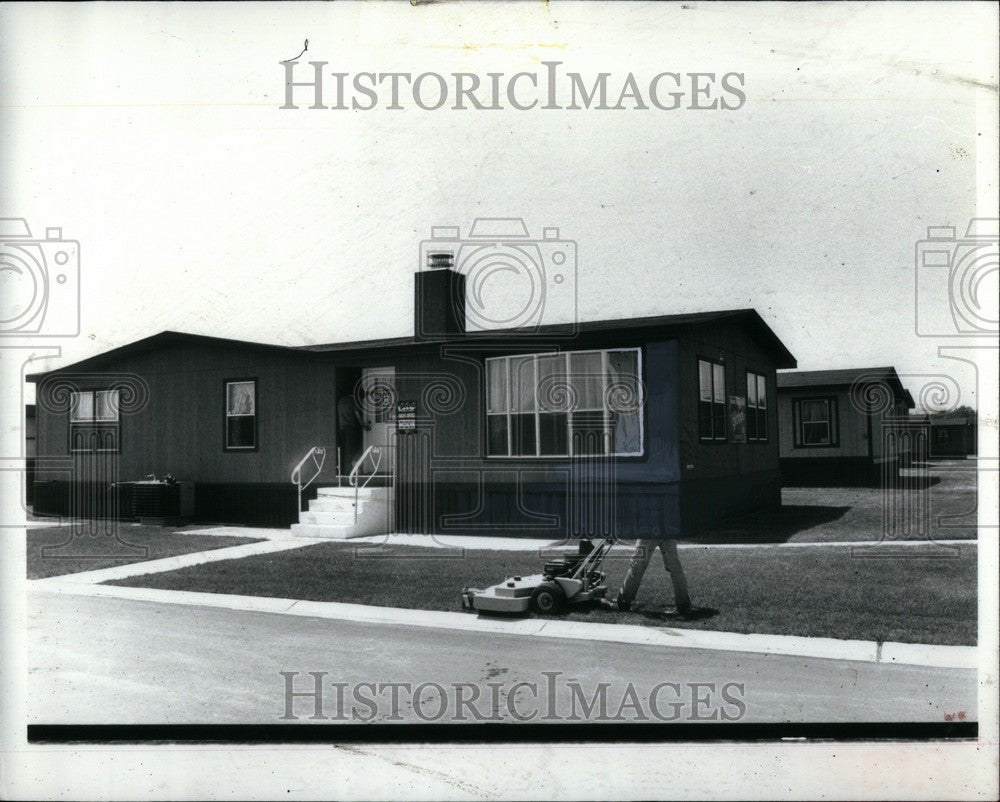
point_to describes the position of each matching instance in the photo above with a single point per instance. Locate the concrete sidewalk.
(524, 544)
(827, 648)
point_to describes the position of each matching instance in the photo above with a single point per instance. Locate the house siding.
(722, 479)
(445, 482)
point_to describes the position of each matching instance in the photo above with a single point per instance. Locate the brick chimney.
(439, 298)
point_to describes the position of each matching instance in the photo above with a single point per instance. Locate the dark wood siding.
(739, 353)
(179, 429)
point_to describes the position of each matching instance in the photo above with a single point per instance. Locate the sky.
(152, 134)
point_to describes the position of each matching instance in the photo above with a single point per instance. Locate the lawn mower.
(570, 579)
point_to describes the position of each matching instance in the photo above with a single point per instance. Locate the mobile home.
(641, 426)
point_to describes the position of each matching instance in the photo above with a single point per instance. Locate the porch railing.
(373, 454)
(318, 457)
(359, 478)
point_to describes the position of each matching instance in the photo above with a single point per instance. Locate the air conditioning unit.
(161, 503)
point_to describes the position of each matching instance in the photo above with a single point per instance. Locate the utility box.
(163, 503)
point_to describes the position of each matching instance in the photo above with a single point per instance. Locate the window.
(93, 421)
(578, 403)
(711, 400)
(815, 422)
(756, 407)
(241, 415)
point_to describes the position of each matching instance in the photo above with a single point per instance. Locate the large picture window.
(711, 400)
(93, 421)
(756, 407)
(577, 403)
(816, 424)
(241, 415)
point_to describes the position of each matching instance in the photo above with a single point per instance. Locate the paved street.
(101, 660)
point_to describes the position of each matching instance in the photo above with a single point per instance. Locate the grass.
(54, 551)
(823, 592)
(946, 498)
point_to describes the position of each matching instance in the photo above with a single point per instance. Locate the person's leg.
(636, 568)
(672, 562)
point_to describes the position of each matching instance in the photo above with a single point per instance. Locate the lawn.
(940, 505)
(58, 550)
(823, 591)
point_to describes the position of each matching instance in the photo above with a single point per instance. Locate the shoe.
(618, 605)
(678, 612)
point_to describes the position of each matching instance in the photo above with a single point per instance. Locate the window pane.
(522, 384)
(751, 390)
(751, 422)
(718, 383)
(813, 411)
(554, 436)
(587, 379)
(240, 398)
(705, 420)
(552, 390)
(626, 436)
(496, 435)
(624, 402)
(588, 433)
(82, 406)
(623, 392)
(496, 386)
(107, 405)
(816, 433)
(523, 442)
(761, 417)
(240, 431)
(761, 391)
(719, 421)
(704, 381)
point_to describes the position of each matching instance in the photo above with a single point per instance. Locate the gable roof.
(662, 324)
(656, 324)
(845, 378)
(152, 342)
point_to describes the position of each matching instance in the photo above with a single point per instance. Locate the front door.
(379, 410)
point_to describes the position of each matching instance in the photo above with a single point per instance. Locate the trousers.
(671, 562)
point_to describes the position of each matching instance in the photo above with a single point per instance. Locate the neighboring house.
(843, 427)
(951, 436)
(658, 424)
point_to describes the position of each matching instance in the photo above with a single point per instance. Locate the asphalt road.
(112, 661)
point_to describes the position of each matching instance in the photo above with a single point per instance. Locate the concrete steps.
(331, 514)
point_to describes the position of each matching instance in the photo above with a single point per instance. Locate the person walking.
(643, 553)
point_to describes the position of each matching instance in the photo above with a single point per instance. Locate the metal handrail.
(318, 456)
(375, 452)
(352, 478)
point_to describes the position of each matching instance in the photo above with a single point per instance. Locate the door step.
(332, 513)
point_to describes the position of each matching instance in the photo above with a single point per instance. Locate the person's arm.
(365, 424)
